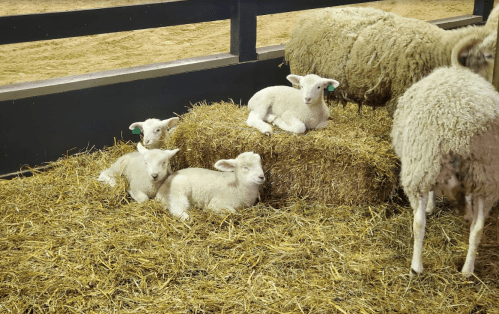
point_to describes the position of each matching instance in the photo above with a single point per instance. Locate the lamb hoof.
(183, 216)
(416, 270)
(268, 133)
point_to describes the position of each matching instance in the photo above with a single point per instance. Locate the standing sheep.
(233, 188)
(291, 109)
(376, 55)
(446, 134)
(155, 131)
(145, 170)
(493, 19)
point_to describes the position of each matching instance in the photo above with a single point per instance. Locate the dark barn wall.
(39, 129)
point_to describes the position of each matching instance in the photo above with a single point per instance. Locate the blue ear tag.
(136, 130)
(330, 88)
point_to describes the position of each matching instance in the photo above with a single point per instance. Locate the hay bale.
(350, 162)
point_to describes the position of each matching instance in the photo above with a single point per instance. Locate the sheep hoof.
(183, 216)
(268, 133)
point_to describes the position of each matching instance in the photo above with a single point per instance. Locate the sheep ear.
(172, 152)
(461, 51)
(168, 123)
(136, 124)
(141, 148)
(327, 82)
(294, 79)
(226, 165)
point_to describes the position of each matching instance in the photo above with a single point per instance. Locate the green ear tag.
(136, 130)
(330, 88)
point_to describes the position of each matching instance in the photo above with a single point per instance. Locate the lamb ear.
(294, 79)
(172, 152)
(327, 82)
(461, 51)
(141, 148)
(168, 123)
(136, 124)
(226, 165)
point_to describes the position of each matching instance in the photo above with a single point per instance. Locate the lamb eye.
(246, 168)
(157, 130)
(318, 87)
(488, 56)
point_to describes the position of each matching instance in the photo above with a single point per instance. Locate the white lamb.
(377, 55)
(234, 188)
(446, 133)
(155, 131)
(145, 171)
(291, 109)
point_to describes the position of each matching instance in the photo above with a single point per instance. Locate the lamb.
(155, 131)
(233, 188)
(289, 108)
(145, 170)
(377, 55)
(446, 133)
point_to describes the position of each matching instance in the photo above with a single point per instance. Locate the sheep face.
(154, 130)
(312, 86)
(477, 54)
(156, 162)
(247, 167)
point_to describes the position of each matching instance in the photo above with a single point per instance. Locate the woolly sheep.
(446, 133)
(377, 55)
(233, 188)
(289, 108)
(145, 170)
(155, 131)
(493, 19)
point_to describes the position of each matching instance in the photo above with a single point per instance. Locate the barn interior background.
(70, 244)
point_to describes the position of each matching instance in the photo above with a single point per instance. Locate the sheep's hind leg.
(430, 208)
(476, 231)
(138, 195)
(322, 125)
(290, 123)
(255, 120)
(419, 228)
(106, 176)
(468, 210)
(178, 206)
(220, 209)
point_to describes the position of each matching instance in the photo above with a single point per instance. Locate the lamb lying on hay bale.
(348, 162)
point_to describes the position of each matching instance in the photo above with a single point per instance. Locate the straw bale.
(349, 162)
(69, 244)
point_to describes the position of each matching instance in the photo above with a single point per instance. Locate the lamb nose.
(154, 176)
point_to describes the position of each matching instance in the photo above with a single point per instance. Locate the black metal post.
(243, 29)
(483, 8)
